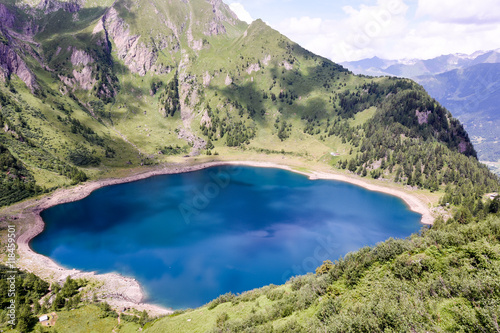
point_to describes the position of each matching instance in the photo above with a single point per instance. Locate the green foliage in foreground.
(19, 294)
(445, 279)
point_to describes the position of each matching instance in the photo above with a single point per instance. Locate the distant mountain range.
(467, 85)
(413, 68)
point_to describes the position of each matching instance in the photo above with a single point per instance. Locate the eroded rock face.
(228, 80)
(79, 57)
(50, 6)
(83, 77)
(136, 55)
(266, 60)
(423, 117)
(12, 63)
(216, 26)
(217, 6)
(253, 68)
(7, 19)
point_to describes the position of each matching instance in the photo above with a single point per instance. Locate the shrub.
(229, 297)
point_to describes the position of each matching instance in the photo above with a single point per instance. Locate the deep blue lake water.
(190, 237)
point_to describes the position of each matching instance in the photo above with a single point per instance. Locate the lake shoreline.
(122, 292)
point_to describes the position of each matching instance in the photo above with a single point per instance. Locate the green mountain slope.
(114, 85)
(472, 93)
(467, 85)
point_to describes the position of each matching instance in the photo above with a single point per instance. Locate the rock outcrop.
(79, 57)
(136, 55)
(221, 14)
(50, 6)
(7, 19)
(228, 80)
(422, 116)
(12, 63)
(253, 68)
(83, 77)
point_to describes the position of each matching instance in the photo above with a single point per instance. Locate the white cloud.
(389, 29)
(460, 11)
(431, 39)
(354, 37)
(303, 25)
(241, 12)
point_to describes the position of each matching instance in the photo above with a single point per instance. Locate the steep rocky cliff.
(11, 50)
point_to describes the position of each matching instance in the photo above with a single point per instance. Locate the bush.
(327, 309)
(221, 319)
(229, 297)
(325, 268)
(276, 294)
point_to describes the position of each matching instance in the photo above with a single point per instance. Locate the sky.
(391, 29)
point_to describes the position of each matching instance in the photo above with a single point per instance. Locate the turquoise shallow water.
(190, 237)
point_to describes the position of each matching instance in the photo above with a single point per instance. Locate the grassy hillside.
(116, 89)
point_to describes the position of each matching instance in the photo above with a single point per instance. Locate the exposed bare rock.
(287, 65)
(99, 27)
(12, 63)
(206, 120)
(161, 69)
(221, 13)
(266, 60)
(67, 81)
(50, 6)
(7, 19)
(58, 50)
(228, 80)
(220, 9)
(253, 68)
(188, 97)
(422, 116)
(136, 55)
(84, 78)
(195, 44)
(215, 28)
(79, 57)
(206, 79)
(198, 143)
(462, 147)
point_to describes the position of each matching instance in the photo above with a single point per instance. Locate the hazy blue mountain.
(473, 95)
(416, 67)
(467, 85)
